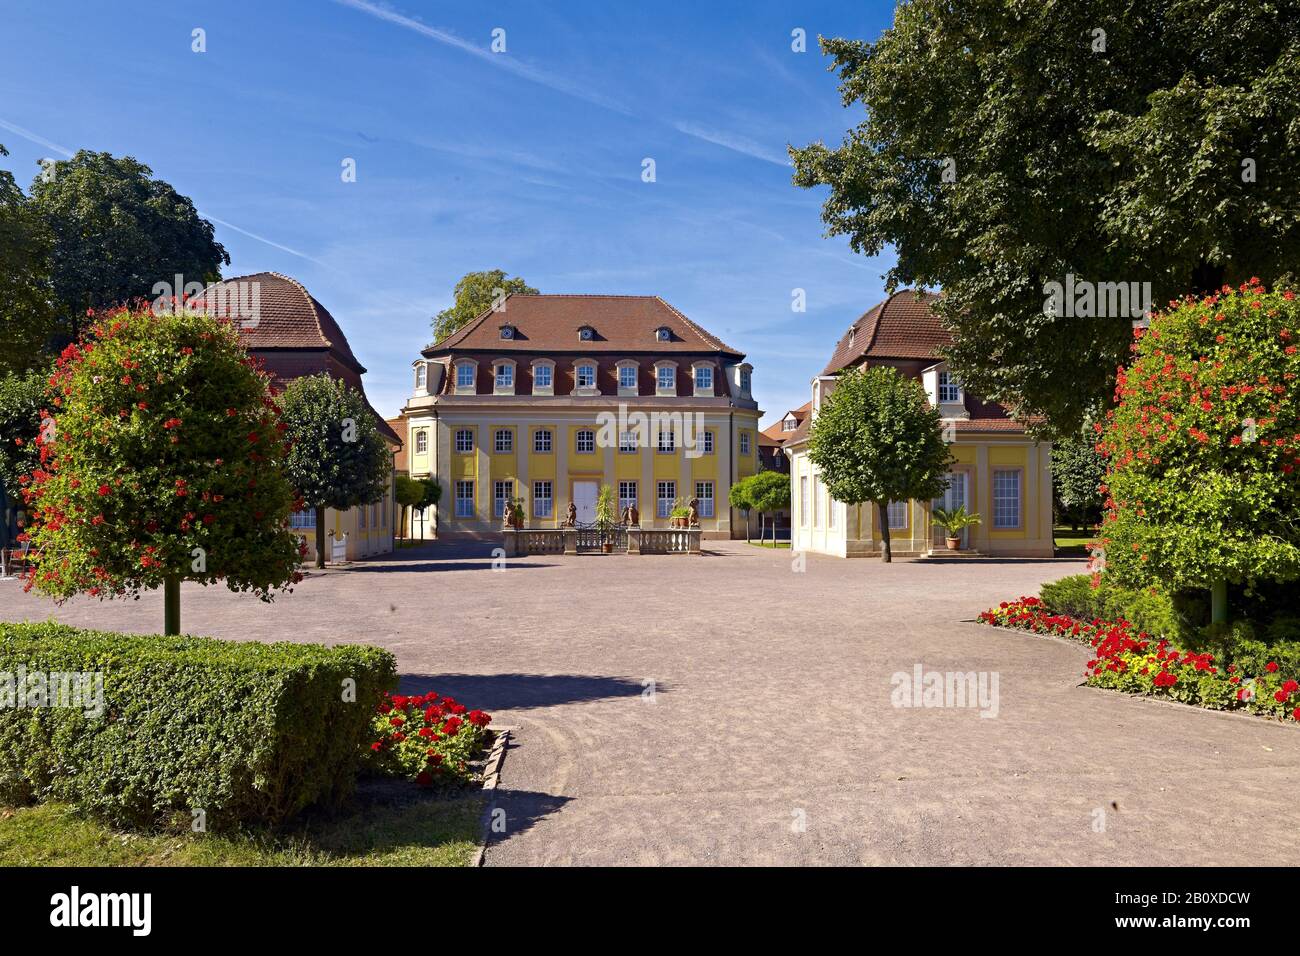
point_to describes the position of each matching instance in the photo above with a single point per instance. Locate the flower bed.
(1140, 664)
(428, 739)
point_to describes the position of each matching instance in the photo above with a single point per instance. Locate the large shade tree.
(876, 439)
(337, 458)
(1008, 143)
(1203, 448)
(476, 292)
(163, 463)
(26, 287)
(118, 232)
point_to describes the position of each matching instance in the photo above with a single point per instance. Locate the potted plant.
(514, 513)
(606, 518)
(680, 516)
(954, 522)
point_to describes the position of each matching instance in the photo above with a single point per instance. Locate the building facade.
(1000, 472)
(547, 398)
(291, 334)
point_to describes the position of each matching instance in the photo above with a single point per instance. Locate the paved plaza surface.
(730, 709)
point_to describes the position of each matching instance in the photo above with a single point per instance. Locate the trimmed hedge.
(1153, 613)
(249, 733)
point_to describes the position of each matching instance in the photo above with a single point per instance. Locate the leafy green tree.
(118, 232)
(1006, 145)
(740, 496)
(476, 292)
(164, 463)
(26, 287)
(1077, 472)
(876, 439)
(770, 492)
(337, 457)
(1203, 448)
(409, 494)
(22, 399)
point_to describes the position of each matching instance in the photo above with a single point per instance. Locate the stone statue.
(695, 513)
(631, 517)
(571, 520)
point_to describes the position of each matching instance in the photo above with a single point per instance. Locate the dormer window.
(704, 380)
(507, 331)
(505, 378)
(466, 373)
(852, 334)
(421, 376)
(664, 334)
(666, 379)
(745, 379)
(949, 388)
(584, 375)
(543, 377)
(627, 377)
(586, 333)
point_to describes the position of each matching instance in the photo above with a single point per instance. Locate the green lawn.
(421, 831)
(1070, 544)
(770, 544)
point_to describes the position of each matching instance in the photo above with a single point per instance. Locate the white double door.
(584, 499)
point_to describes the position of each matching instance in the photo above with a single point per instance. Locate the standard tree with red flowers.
(1203, 447)
(164, 464)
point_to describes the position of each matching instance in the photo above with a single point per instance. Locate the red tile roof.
(551, 323)
(901, 327)
(775, 430)
(294, 336)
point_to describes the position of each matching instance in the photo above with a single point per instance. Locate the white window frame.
(547, 388)
(578, 442)
(464, 447)
(668, 447)
(999, 497)
(703, 388)
(464, 504)
(804, 515)
(543, 441)
(509, 443)
(503, 384)
(499, 500)
(624, 368)
(949, 382)
(744, 442)
(628, 443)
(664, 503)
(899, 513)
(543, 504)
(705, 502)
(660, 369)
(421, 377)
(707, 441)
(422, 441)
(579, 369)
(625, 500)
(303, 519)
(466, 388)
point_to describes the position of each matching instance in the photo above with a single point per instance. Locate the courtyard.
(731, 709)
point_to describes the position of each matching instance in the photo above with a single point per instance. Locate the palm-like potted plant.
(954, 521)
(680, 516)
(606, 518)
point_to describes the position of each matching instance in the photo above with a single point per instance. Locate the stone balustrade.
(524, 541)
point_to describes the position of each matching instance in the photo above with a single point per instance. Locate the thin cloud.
(39, 141)
(737, 144)
(505, 62)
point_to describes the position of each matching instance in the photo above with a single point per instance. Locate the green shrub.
(427, 738)
(245, 732)
(1155, 613)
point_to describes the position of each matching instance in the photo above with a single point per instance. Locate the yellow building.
(549, 397)
(1000, 473)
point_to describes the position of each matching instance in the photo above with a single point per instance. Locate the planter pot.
(681, 522)
(607, 547)
(954, 544)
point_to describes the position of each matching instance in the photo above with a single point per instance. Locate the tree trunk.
(172, 604)
(748, 537)
(1219, 602)
(884, 532)
(320, 536)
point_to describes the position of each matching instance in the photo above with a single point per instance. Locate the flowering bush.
(164, 462)
(1203, 445)
(428, 739)
(1140, 664)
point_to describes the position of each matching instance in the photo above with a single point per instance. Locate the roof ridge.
(707, 336)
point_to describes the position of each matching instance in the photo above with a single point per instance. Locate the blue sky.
(528, 160)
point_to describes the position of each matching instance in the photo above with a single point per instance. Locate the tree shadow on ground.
(492, 692)
(519, 811)
(485, 564)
